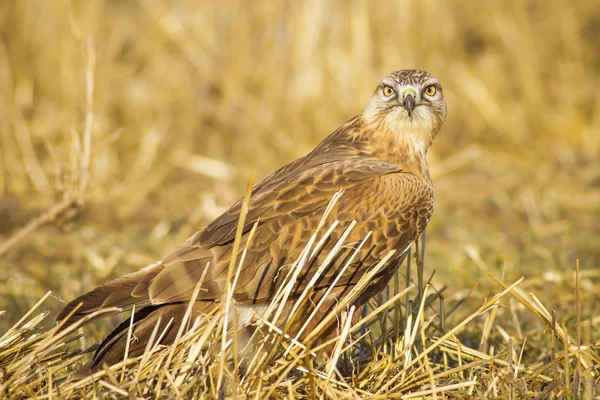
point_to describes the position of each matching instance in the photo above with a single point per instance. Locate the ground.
(181, 102)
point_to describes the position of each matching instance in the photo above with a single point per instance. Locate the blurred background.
(183, 99)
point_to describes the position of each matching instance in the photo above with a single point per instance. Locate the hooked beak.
(409, 104)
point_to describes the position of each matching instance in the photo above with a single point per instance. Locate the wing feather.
(277, 215)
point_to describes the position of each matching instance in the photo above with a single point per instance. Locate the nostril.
(409, 92)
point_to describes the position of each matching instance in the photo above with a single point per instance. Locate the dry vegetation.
(127, 125)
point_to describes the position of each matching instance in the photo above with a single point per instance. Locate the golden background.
(189, 97)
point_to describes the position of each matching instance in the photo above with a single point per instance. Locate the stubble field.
(127, 126)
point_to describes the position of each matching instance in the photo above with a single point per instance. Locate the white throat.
(416, 131)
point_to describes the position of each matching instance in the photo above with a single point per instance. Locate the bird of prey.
(377, 158)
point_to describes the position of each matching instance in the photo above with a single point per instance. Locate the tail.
(124, 293)
(169, 318)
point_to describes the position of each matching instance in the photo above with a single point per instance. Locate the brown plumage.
(377, 158)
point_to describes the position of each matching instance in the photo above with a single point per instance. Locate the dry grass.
(125, 126)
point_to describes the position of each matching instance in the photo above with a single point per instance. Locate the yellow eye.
(430, 90)
(388, 91)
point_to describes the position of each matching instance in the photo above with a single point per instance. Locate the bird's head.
(410, 105)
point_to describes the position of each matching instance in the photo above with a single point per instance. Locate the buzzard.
(377, 158)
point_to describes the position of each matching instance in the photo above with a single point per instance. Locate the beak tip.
(409, 104)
